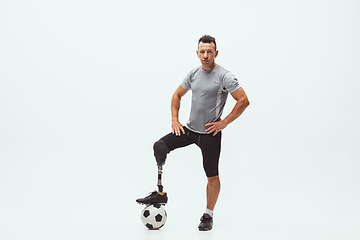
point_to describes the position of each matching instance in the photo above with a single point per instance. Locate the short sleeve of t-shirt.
(230, 83)
(186, 83)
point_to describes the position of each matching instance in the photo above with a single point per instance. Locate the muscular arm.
(241, 104)
(176, 126)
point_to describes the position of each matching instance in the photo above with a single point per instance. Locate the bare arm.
(241, 104)
(176, 126)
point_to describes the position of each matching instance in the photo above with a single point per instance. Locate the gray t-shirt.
(209, 93)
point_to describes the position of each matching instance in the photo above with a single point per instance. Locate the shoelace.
(205, 219)
(152, 194)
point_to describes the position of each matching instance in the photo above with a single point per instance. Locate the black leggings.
(210, 148)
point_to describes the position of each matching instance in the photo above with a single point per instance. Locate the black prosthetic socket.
(160, 152)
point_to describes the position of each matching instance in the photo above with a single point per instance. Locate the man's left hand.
(215, 127)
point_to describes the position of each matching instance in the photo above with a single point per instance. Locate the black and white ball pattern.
(154, 216)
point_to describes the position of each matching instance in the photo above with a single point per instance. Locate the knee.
(213, 180)
(160, 147)
(160, 151)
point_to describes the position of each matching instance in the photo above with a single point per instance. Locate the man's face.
(207, 53)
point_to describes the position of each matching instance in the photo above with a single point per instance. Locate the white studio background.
(85, 89)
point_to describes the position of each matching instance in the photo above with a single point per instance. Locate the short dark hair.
(207, 39)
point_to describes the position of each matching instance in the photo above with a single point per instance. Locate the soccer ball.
(154, 216)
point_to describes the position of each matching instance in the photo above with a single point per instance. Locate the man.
(210, 84)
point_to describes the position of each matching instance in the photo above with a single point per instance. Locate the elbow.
(245, 102)
(176, 97)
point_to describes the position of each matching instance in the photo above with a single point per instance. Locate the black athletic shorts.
(210, 147)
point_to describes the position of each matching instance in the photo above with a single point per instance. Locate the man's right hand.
(177, 127)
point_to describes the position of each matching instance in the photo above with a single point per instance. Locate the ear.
(216, 53)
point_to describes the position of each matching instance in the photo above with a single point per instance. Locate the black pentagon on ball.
(146, 213)
(148, 225)
(158, 218)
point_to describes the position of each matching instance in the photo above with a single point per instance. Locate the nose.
(205, 55)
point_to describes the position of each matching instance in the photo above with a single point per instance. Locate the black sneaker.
(154, 197)
(206, 223)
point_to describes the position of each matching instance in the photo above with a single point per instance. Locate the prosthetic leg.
(160, 197)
